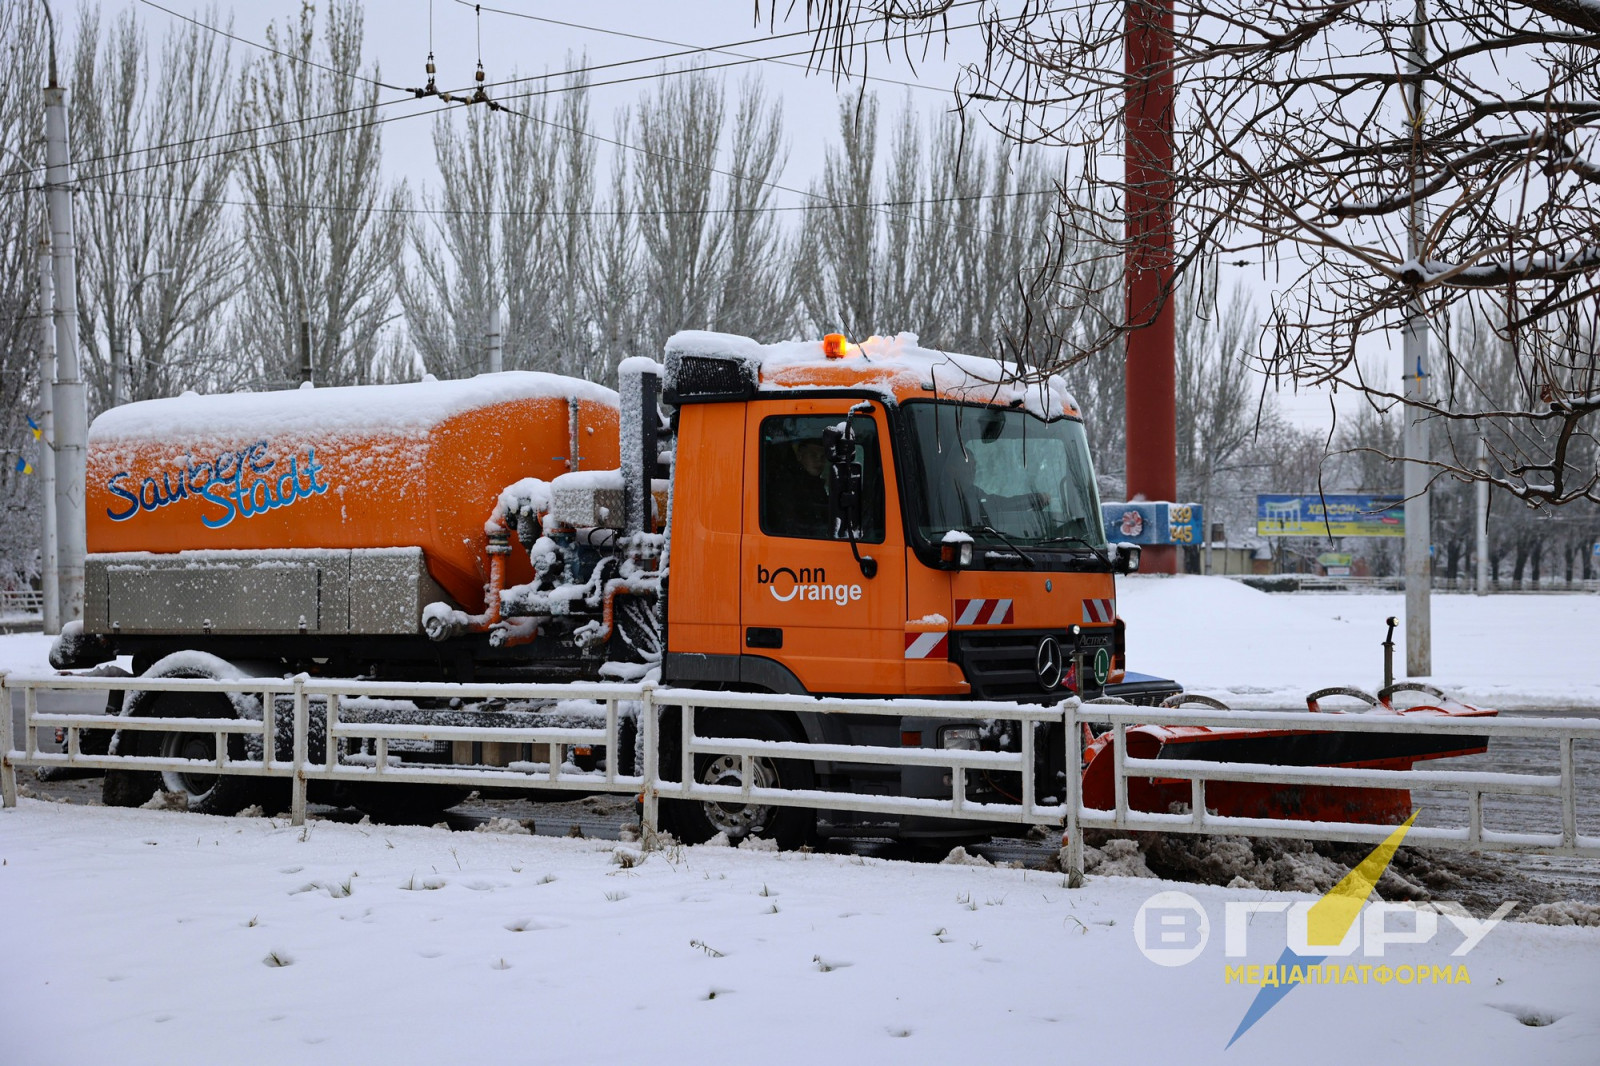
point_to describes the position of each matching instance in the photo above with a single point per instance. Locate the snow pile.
(1565, 912)
(1115, 858)
(166, 801)
(413, 407)
(508, 826)
(959, 857)
(897, 366)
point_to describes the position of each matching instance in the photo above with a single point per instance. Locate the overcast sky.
(398, 34)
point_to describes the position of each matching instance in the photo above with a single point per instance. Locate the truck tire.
(695, 823)
(223, 794)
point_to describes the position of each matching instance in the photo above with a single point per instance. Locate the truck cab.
(883, 520)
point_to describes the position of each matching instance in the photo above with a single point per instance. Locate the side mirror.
(840, 442)
(845, 504)
(844, 497)
(1125, 558)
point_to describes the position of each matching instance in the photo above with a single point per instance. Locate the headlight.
(959, 737)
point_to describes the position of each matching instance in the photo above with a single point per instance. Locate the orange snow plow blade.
(1283, 747)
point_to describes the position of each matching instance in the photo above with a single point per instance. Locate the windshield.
(1003, 476)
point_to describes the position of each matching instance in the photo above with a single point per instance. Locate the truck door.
(805, 601)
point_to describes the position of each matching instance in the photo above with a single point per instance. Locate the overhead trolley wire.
(686, 50)
(826, 202)
(141, 168)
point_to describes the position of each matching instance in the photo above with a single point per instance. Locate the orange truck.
(872, 519)
(824, 518)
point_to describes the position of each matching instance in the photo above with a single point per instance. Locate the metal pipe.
(297, 797)
(8, 769)
(496, 356)
(118, 358)
(1481, 509)
(305, 353)
(1388, 653)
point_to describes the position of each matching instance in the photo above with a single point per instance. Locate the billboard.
(1153, 523)
(1314, 515)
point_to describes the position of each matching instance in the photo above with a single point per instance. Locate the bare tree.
(1297, 145)
(1217, 401)
(157, 258)
(22, 228)
(677, 132)
(322, 230)
(838, 247)
(754, 295)
(612, 278)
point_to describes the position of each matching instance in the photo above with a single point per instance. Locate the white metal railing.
(326, 702)
(21, 601)
(1474, 783)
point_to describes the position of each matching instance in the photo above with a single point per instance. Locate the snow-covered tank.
(290, 496)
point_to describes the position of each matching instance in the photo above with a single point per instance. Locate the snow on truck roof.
(897, 366)
(412, 406)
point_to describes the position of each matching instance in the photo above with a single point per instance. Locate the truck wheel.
(696, 823)
(224, 794)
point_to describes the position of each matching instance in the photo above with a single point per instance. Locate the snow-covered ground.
(147, 936)
(1268, 649)
(141, 936)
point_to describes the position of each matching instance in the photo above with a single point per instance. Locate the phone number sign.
(1154, 522)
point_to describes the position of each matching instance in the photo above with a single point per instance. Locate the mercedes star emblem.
(1048, 663)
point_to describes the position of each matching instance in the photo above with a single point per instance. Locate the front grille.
(999, 664)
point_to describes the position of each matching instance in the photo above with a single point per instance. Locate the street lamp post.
(70, 407)
(307, 372)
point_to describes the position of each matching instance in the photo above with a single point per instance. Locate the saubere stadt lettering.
(808, 583)
(243, 483)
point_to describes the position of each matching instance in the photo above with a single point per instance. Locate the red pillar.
(1151, 375)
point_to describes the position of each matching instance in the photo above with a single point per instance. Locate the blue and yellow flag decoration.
(37, 432)
(23, 466)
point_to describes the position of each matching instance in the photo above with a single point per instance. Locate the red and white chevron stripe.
(927, 645)
(1099, 612)
(983, 612)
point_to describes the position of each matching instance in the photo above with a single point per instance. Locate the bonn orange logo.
(808, 583)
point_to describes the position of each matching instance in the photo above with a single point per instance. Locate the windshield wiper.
(1098, 554)
(1024, 556)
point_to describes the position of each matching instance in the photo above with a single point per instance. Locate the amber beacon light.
(834, 345)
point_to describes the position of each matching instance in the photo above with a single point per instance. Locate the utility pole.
(1481, 494)
(119, 356)
(49, 580)
(70, 406)
(1151, 374)
(1419, 525)
(305, 352)
(496, 356)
